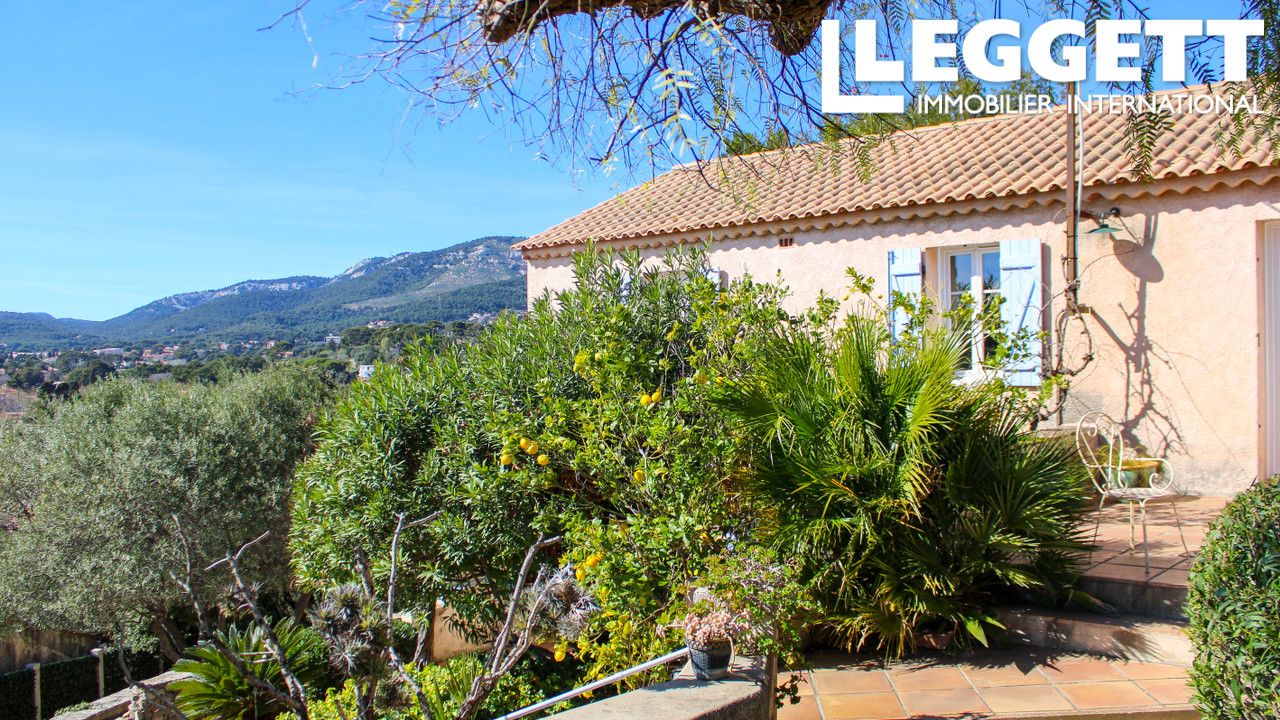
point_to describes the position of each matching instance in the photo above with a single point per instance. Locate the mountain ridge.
(481, 276)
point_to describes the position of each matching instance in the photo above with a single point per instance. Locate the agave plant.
(909, 500)
(217, 690)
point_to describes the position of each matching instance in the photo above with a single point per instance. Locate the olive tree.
(107, 496)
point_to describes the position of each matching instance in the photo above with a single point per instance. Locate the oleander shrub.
(1233, 605)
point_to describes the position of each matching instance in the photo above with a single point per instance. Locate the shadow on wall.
(1145, 405)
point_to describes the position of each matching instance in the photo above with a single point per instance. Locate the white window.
(1004, 280)
(971, 276)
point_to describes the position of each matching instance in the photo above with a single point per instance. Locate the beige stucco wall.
(1176, 309)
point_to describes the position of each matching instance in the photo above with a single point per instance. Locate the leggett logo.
(1112, 48)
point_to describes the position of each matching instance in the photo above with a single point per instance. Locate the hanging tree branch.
(515, 635)
(297, 691)
(187, 584)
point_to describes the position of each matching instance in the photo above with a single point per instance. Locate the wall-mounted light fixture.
(1104, 227)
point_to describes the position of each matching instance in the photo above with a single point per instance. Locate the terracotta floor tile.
(1119, 572)
(1004, 676)
(803, 687)
(1170, 578)
(1024, 699)
(927, 678)
(850, 681)
(1163, 559)
(806, 709)
(1070, 669)
(1169, 691)
(943, 702)
(837, 660)
(861, 706)
(1094, 696)
(1136, 670)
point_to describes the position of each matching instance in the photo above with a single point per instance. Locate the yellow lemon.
(532, 448)
(594, 560)
(588, 694)
(656, 396)
(579, 574)
(560, 654)
(543, 459)
(645, 399)
(524, 443)
(506, 459)
(638, 475)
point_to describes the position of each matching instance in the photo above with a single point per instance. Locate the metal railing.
(596, 685)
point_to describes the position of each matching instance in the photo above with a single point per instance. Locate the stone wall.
(30, 646)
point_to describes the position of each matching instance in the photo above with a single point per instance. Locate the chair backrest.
(1100, 442)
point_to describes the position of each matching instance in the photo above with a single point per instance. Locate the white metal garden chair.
(1100, 441)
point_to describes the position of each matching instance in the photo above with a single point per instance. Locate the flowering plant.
(705, 629)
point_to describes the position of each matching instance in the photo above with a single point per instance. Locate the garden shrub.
(445, 686)
(142, 665)
(98, 484)
(67, 682)
(17, 698)
(910, 502)
(217, 690)
(588, 419)
(1233, 605)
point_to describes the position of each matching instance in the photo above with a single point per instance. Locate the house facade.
(1174, 327)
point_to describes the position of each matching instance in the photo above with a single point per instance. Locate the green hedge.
(69, 682)
(16, 690)
(141, 667)
(66, 683)
(1233, 604)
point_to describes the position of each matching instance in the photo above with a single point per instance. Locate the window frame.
(977, 349)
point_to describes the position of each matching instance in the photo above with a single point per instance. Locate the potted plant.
(709, 634)
(934, 634)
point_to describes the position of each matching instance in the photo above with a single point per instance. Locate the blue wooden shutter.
(1020, 283)
(905, 275)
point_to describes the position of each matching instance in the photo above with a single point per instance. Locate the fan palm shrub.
(909, 501)
(218, 691)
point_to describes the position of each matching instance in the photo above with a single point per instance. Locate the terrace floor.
(1114, 560)
(1021, 683)
(1028, 682)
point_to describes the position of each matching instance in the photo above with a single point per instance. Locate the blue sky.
(151, 148)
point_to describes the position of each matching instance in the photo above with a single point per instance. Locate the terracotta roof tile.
(986, 158)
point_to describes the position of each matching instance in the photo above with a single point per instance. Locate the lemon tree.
(590, 418)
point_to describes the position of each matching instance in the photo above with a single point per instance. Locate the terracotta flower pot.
(711, 663)
(935, 639)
